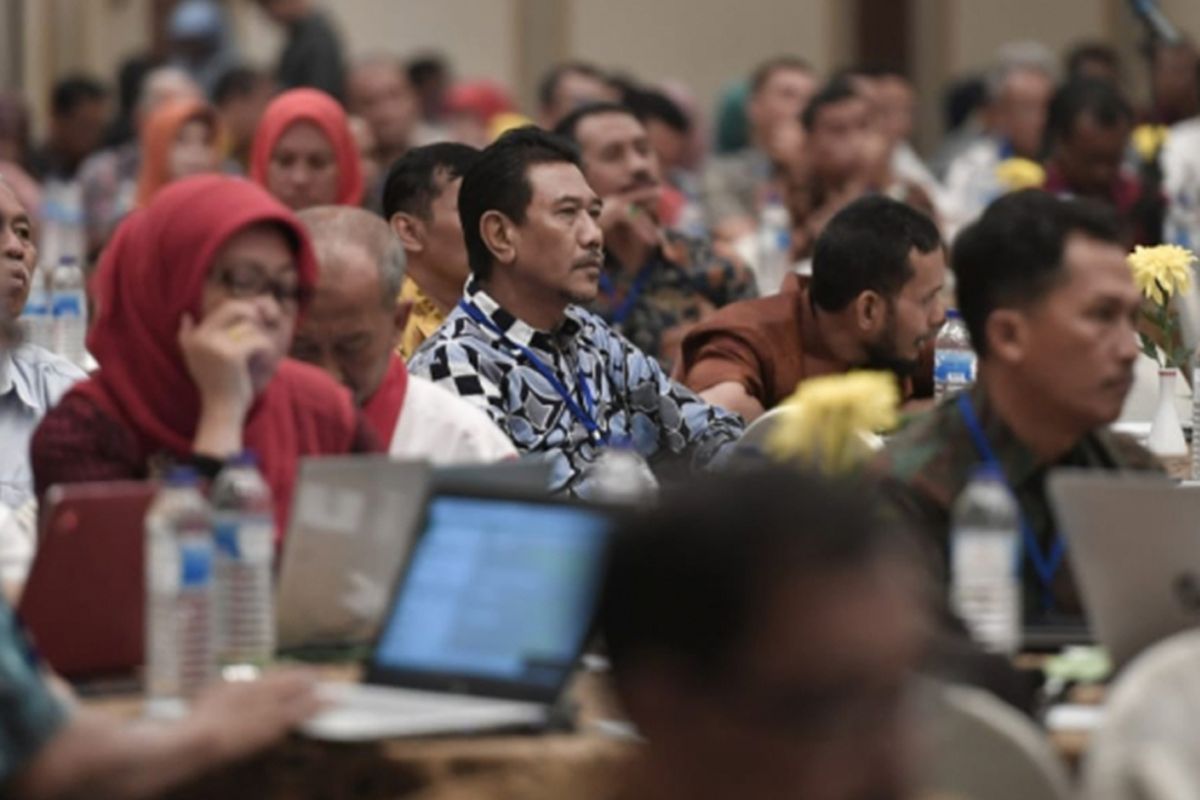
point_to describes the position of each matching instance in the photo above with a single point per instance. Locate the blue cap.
(181, 475)
(196, 19)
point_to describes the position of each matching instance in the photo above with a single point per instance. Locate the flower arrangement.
(1161, 274)
(1148, 140)
(1015, 174)
(827, 419)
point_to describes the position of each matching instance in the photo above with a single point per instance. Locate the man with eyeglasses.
(763, 629)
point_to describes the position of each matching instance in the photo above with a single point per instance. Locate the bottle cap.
(246, 458)
(181, 475)
(987, 472)
(952, 313)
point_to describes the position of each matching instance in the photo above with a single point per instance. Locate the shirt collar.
(14, 383)
(520, 332)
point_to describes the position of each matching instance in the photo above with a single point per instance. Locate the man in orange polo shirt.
(874, 300)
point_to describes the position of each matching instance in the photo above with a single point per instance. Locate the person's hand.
(244, 718)
(219, 351)
(633, 213)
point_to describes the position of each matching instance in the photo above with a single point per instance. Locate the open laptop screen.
(498, 591)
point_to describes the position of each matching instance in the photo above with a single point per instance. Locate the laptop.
(1134, 544)
(487, 622)
(353, 523)
(84, 598)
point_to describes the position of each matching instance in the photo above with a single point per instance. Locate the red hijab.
(309, 105)
(151, 274)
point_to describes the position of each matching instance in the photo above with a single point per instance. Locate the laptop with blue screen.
(487, 622)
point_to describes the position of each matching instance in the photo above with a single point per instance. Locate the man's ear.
(870, 312)
(1008, 335)
(409, 230)
(500, 236)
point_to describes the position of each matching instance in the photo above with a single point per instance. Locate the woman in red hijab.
(197, 297)
(304, 152)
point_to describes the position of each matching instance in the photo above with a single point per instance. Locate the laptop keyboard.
(387, 699)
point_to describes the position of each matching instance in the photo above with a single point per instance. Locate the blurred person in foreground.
(656, 283)
(1052, 311)
(351, 329)
(304, 152)
(557, 379)
(763, 630)
(420, 202)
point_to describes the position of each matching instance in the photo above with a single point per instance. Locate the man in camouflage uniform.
(1051, 307)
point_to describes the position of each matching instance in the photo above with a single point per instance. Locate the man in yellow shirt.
(420, 202)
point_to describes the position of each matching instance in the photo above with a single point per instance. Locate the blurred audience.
(79, 112)
(199, 42)
(241, 96)
(430, 76)
(568, 86)
(312, 51)
(179, 139)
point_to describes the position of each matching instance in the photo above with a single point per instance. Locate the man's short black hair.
(1091, 96)
(74, 91)
(687, 580)
(838, 90)
(1013, 255)
(413, 181)
(549, 83)
(568, 126)
(499, 181)
(767, 69)
(237, 82)
(868, 246)
(649, 104)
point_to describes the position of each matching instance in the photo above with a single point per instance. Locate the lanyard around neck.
(586, 417)
(1045, 564)
(622, 312)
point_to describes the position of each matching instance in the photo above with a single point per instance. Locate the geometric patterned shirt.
(635, 402)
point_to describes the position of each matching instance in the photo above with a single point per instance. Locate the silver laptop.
(1134, 544)
(352, 524)
(487, 622)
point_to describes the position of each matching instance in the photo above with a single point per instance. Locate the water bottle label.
(38, 304)
(954, 367)
(68, 305)
(195, 564)
(982, 556)
(245, 539)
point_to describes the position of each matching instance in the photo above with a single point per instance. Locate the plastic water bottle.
(244, 532)
(985, 562)
(774, 244)
(68, 308)
(180, 623)
(36, 316)
(953, 357)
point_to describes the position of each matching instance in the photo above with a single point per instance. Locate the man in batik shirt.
(656, 283)
(555, 377)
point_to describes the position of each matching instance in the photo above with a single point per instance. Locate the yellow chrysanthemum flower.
(1148, 140)
(826, 419)
(1162, 272)
(1015, 174)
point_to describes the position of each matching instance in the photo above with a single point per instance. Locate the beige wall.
(477, 35)
(706, 44)
(978, 28)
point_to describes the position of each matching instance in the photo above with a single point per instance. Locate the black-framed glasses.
(249, 283)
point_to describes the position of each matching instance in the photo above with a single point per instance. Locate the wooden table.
(499, 764)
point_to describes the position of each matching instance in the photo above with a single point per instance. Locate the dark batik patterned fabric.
(682, 283)
(635, 402)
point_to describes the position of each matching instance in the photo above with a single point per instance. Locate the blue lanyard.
(587, 417)
(1045, 564)
(622, 312)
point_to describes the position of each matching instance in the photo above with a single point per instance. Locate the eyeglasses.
(248, 283)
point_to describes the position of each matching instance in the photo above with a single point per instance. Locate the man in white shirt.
(351, 330)
(31, 379)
